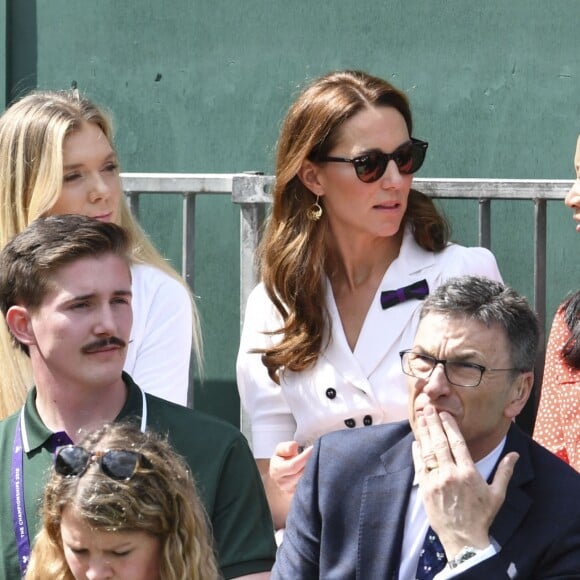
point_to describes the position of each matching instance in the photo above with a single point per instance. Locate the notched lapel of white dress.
(382, 329)
(338, 351)
(384, 498)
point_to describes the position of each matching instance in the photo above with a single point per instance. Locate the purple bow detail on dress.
(417, 290)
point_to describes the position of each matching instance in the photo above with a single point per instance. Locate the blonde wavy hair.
(294, 251)
(32, 134)
(159, 499)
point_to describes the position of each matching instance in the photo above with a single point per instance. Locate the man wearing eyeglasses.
(65, 292)
(458, 491)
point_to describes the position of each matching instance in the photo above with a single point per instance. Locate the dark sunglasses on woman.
(371, 166)
(118, 464)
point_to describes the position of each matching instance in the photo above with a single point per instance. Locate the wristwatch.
(466, 553)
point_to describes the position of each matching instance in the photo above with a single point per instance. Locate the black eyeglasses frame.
(436, 361)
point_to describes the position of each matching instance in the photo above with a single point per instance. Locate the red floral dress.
(558, 421)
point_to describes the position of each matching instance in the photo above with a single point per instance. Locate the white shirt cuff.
(448, 572)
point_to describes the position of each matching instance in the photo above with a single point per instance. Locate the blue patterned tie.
(432, 558)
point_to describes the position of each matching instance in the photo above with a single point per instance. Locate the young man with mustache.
(65, 292)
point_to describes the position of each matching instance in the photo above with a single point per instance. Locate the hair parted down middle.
(159, 499)
(293, 251)
(32, 136)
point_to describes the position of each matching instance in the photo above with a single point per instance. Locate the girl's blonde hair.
(32, 134)
(159, 499)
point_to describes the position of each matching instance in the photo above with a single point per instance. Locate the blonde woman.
(56, 157)
(122, 504)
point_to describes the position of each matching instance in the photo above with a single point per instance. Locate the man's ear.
(520, 394)
(19, 322)
(309, 175)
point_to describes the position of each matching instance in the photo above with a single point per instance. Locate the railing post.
(188, 239)
(188, 270)
(250, 224)
(485, 223)
(251, 220)
(540, 269)
(133, 198)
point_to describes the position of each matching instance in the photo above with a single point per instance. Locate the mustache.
(103, 343)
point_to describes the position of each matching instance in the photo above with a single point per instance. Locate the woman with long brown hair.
(349, 250)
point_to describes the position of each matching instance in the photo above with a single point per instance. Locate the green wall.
(199, 86)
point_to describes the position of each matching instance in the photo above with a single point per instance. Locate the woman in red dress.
(558, 421)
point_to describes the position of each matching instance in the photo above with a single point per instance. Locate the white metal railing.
(251, 193)
(188, 185)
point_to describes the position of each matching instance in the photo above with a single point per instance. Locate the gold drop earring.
(314, 212)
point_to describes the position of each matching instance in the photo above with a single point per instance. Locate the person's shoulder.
(7, 424)
(560, 328)
(260, 307)
(258, 294)
(553, 479)
(197, 425)
(149, 283)
(7, 431)
(554, 491)
(150, 277)
(463, 260)
(552, 469)
(365, 438)
(361, 452)
(454, 250)
(9, 421)
(148, 272)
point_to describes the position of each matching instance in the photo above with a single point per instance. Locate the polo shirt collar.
(39, 435)
(133, 406)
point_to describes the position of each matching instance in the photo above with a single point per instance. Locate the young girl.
(122, 504)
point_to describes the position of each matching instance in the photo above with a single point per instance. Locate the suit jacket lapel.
(385, 498)
(517, 501)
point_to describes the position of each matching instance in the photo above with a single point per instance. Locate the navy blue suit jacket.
(348, 514)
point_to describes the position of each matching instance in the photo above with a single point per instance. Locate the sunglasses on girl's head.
(118, 464)
(371, 166)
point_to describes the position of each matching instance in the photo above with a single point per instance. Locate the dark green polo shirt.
(217, 453)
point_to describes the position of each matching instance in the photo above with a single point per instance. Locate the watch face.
(464, 555)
